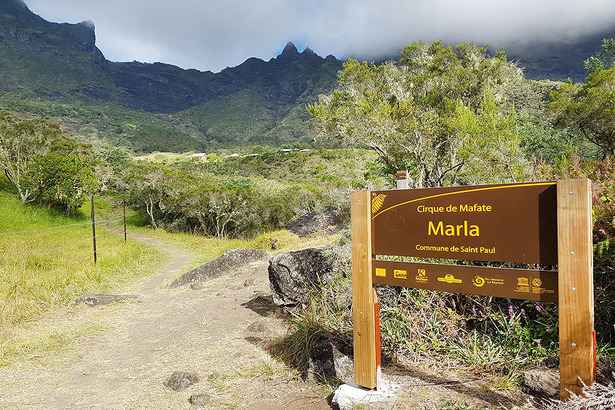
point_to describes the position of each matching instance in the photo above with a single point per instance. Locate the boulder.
(214, 376)
(230, 261)
(92, 299)
(312, 222)
(200, 399)
(258, 327)
(179, 381)
(541, 381)
(293, 275)
(330, 359)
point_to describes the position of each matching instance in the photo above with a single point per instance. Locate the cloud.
(211, 35)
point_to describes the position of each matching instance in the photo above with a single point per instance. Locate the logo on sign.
(377, 203)
(421, 276)
(449, 279)
(400, 274)
(478, 281)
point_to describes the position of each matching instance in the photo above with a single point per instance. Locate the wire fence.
(58, 227)
(26, 238)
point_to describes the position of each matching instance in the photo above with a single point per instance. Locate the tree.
(430, 113)
(62, 179)
(589, 108)
(20, 141)
(603, 59)
(147, 190)
(491, 149)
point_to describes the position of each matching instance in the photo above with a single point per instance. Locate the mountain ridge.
(156, 87)
(60, 61)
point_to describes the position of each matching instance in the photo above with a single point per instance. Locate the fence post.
(575, 286)
(124, 207)
(93, 229)
(363, 292)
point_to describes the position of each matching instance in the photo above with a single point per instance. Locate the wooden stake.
(576, 286)
(363, 313)
(93, 230)
(402, 179)
(124, 207)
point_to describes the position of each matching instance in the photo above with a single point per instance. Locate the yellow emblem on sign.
(381, 272)
(377, 203)
(479, 281)
(449, 279)
(400, 274)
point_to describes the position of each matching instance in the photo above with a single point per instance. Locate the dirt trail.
(206, 332)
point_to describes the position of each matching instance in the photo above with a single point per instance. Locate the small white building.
(201, 156)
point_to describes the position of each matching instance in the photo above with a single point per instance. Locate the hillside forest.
(448, 115)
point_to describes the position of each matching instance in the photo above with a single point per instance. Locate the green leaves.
(24, 147)
(590, 108)
(431, 114)
(64, 180)
(603, 59)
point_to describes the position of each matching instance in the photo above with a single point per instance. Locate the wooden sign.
(504, 223)
(543, 223)
(527, 284)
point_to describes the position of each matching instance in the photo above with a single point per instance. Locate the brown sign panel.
(526, 284)
(504, 223)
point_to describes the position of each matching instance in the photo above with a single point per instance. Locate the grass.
(44, 267)
(38, 346)
(294, 349)
(478, 350)
(202, 249)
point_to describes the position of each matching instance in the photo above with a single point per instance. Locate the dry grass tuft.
(594, 397)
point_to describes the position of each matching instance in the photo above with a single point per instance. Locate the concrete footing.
(349, 395)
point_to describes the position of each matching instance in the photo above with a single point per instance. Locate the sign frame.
(575, 294)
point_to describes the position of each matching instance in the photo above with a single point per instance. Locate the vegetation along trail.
(204, 332)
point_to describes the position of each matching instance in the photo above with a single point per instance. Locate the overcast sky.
(214, 34)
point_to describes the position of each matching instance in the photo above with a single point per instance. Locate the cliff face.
(22, 29)
(51, 58)
(283, 81)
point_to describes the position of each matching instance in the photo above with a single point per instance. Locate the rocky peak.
(15, 16)
(290, 49)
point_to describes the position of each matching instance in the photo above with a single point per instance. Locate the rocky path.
(208, 332)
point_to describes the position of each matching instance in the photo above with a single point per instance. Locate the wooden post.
(402, 179)
(363, 312)
(124, 207)
(576, 288)
(93, 229)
